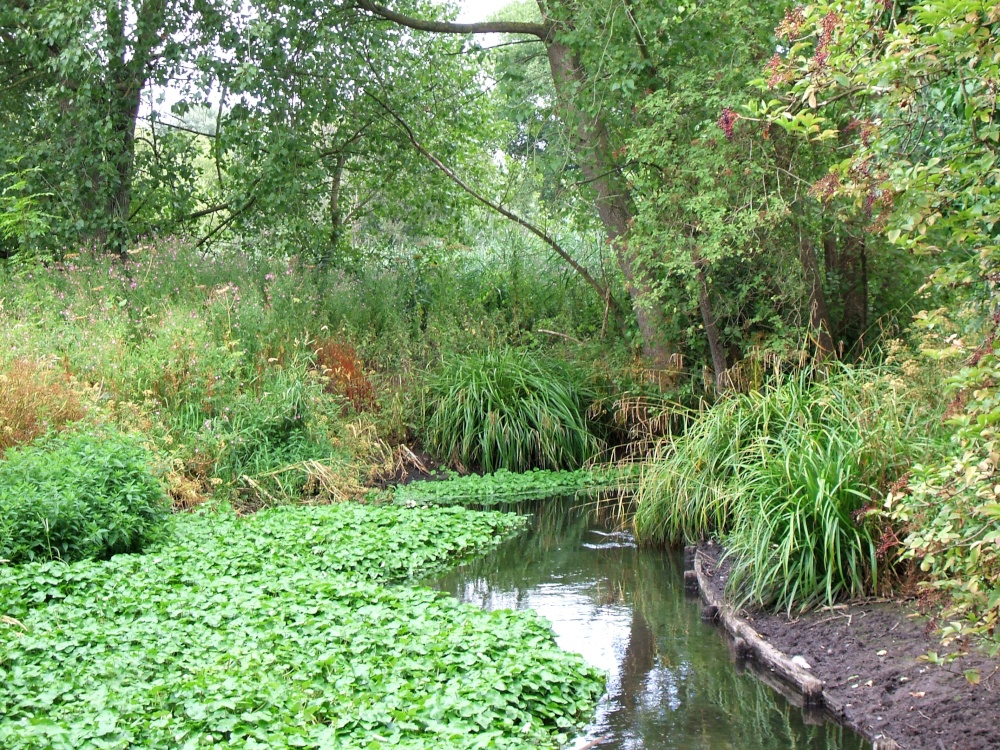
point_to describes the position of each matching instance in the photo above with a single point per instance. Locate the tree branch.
(229, 220)
(542, 31)
(172, 126)
(203, 212)
(584, 273)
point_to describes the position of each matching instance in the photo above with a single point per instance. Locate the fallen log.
(753, 645)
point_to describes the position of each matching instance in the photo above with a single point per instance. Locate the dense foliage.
(77, 496)
(225, 364)
(384, 233)
(281, 630)
(510, 410)
(789, 477)
(910, 92)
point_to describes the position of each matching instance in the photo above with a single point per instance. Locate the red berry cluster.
(828, 25)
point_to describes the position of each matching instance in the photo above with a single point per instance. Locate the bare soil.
(871, 657)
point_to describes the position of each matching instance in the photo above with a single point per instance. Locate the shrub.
(252, 443)
(786, 476)
(509, 409)
(76, 496)
(33, 400)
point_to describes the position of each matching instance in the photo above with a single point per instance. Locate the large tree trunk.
(128, 70)
(121, 154)
(611, 199)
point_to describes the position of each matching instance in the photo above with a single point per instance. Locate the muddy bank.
(868, 657)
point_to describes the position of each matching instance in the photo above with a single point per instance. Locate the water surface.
(671, 681)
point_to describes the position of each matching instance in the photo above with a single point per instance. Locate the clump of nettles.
(76, 496)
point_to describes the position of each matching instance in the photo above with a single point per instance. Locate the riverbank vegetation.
(297, 627)
(264, 254)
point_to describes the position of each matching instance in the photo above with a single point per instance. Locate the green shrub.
(509, 409)
(76, 496)
(786, 476)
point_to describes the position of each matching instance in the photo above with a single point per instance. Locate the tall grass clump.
(509, 409)
(78, 495)
(786, 477)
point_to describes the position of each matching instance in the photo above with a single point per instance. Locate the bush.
(786, 476)
(76, 496)
(509, 409)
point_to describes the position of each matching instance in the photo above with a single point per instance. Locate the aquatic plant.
(280, 630)
(505, 487)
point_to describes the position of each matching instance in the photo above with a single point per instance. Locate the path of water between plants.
(671, 681)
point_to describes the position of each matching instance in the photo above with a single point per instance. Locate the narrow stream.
(671, 682)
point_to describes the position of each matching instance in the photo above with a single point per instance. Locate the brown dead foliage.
(186, 491)
(339, 363)
(35, 397)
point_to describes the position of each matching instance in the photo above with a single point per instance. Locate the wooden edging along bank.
(749, 645)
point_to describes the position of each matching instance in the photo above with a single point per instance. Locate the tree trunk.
(593, 149)
(715, 346)
(121, 154)
(128, 70)
(336, 216)
(848, 263)
(819, 313)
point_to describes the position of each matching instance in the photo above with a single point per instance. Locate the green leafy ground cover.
(505, 487)
(292, 628)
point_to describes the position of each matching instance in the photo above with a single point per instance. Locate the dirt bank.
(869, 657)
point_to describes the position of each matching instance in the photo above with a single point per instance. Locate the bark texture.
(715, 345)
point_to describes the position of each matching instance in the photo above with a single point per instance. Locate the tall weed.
(78, 495)
(34, 399)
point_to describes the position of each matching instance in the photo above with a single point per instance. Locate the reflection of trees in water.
(677, 685)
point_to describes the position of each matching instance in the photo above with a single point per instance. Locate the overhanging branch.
(604, 293)
(540, 30)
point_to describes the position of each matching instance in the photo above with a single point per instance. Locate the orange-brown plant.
(345, 374)
(34, 398)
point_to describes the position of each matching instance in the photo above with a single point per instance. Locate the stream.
(671, 681)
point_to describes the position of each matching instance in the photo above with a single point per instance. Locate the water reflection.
(671, 683)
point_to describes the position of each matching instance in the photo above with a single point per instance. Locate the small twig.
(828, 619)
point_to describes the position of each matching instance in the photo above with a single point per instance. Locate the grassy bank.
(259, 381)
(791, 478)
